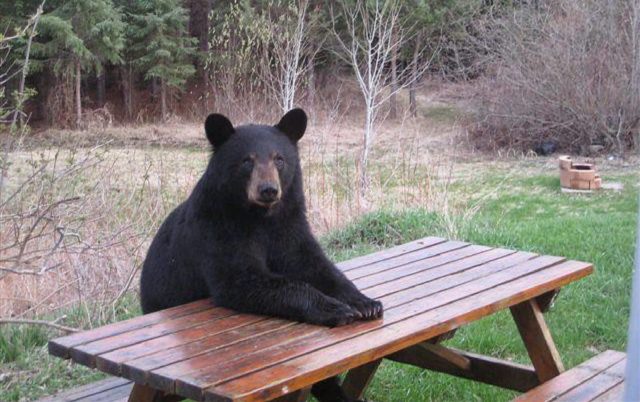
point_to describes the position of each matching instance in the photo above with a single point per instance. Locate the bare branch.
(22, 321)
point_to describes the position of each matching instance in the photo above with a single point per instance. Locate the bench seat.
(600, 379)
(107, 390)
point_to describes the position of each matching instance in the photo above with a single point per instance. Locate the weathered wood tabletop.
(429, 288)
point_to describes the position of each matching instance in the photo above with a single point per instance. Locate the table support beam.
(300, 395)
(442, 337)
(143, 393)
(468, 365)
(537, 339)
(357, 379)
(546, 300)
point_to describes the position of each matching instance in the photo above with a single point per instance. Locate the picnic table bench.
(429, 288)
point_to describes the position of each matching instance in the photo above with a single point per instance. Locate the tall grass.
(75, 226)
(76, 223)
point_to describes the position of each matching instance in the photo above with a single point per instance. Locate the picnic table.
(429, 288)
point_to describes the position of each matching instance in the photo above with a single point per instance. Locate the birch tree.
(287, 50)
(371, 36)
(22, 95)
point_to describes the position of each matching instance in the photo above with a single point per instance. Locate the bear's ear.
(218, 129)
(293, 124)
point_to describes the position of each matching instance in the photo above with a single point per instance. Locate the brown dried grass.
(92, 211)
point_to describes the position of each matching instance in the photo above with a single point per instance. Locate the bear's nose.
(268, 192)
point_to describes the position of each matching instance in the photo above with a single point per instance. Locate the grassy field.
(589, 316)
(523, 211)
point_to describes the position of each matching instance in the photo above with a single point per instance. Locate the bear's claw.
(368, 309)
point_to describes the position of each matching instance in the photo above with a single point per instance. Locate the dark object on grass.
(546, 148)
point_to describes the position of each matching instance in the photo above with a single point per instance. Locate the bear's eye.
(247, 162)
(279, 161)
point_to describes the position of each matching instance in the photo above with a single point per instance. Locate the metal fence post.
(632, 387)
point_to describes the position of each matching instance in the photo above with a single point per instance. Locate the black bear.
(242, 238)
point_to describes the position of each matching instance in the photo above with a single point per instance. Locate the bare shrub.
(405, 173)
(75, 225)
(562, 74)
(98, 119)
(375, 33)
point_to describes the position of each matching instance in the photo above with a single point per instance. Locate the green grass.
(32, 372)
(530, 214)
(445, 114)
(527, 213)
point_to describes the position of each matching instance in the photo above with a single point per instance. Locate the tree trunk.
(154, 88)
(25, 71)
(311, 86)
(126, 85)
(163, 99)
(364, 159)
(199, 11)
(101, 88)
(78, 94)
(199, 22)
(413, 105)
(393, 102)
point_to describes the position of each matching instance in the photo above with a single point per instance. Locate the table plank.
(421, 265)
(246, 342)
(487, 261)
(412, 301)
(86, 353)
(164, 375)
(88, 390)
(293, 374)
(596, 386)
(385, 254)
(201, 335)
(60, 346)
(404, 259)
(111, 362)
(614, 394)
(568, 380)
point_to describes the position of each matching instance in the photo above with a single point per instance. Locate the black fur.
(244, 256)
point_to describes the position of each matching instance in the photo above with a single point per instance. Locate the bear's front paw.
(335, 313)
(368, 308)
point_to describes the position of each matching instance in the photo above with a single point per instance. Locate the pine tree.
(81, 36)
(161, 43)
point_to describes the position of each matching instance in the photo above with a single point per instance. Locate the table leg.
(537, 339)
(546, 300)
(300, 395)
(143, 393)
(358, 379)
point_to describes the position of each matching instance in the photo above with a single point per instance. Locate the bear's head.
(256, 166)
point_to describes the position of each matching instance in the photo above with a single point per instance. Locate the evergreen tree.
(81, 36)
(162, 45)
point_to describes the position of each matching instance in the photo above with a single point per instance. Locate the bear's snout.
(264, 185)
(268, 192)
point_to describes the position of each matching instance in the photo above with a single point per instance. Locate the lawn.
(525, 212)
(530, 213)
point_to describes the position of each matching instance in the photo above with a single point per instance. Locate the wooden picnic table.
(429, 288)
